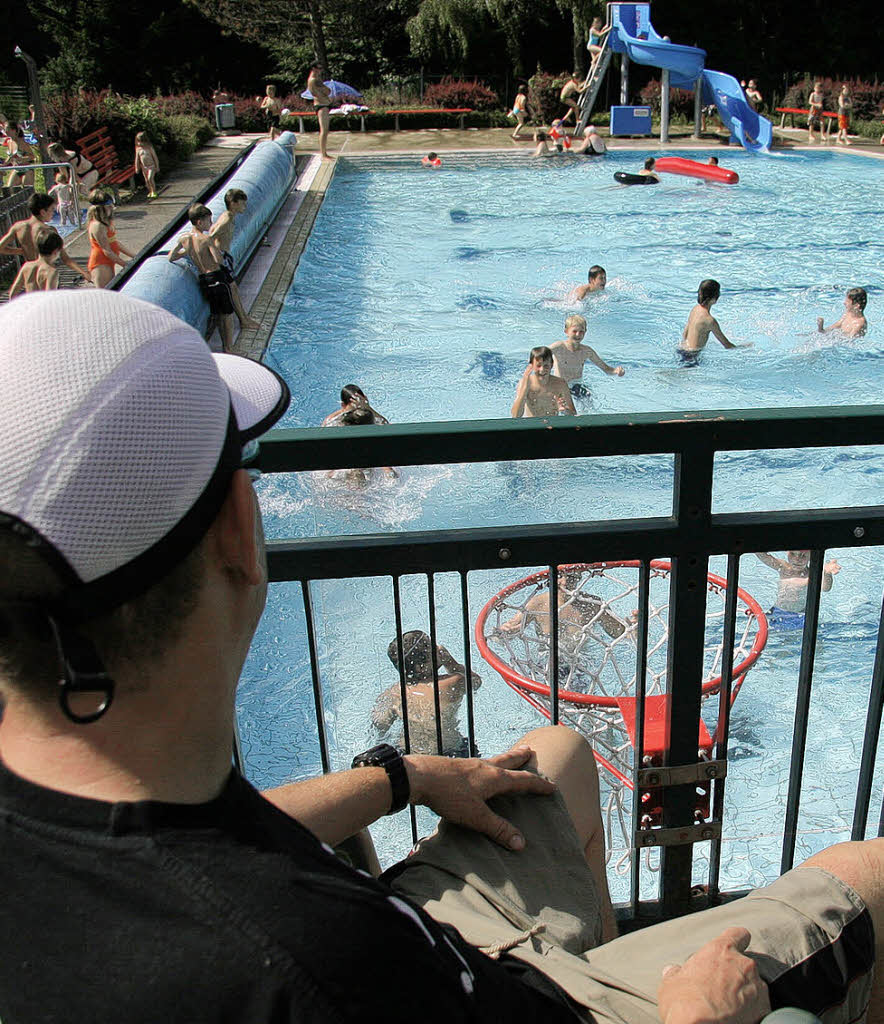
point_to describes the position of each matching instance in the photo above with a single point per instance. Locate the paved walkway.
(138, 220)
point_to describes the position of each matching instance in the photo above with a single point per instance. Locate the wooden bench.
(790, 112)
(362, 114)
(98, 148)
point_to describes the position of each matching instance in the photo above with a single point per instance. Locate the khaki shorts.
(811, 934)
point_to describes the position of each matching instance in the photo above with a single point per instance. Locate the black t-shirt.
(226, 911)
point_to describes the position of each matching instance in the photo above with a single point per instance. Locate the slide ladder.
(593, 84)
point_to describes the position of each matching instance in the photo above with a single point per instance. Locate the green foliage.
(448, 28)
(174, 135)
(543, 96)
(452, 92)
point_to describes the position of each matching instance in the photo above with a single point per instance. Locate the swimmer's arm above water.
(521, 394)
(719, 333)
(594, 357)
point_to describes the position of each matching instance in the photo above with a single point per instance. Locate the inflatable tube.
(694, 169)
(634, 179)
(265, 176)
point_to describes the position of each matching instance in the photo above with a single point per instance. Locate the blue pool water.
(428, 289)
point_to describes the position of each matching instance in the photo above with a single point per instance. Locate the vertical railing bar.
(238, 760)
(403, 690)
(468, 663)
(434, 654)
(641, 682)
(554, 642)
(802, 708)
(314, 672)
(870, 741)
(728, 633)
(693, 471)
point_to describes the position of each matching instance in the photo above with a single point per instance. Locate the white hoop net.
(597, 659)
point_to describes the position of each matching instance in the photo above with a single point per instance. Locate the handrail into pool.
(688, 536)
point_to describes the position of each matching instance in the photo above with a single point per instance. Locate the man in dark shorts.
(215, 279)
(145, 879)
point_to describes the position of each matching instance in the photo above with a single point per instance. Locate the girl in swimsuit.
(104, 249)
(20, 154)
(596, 35)
(322, 105)
(147, 161)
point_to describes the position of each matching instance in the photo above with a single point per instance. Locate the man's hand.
(618, 371)
(457, 789)
(717, 985)
(832, 568)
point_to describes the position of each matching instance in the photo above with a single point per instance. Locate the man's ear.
(238, 534)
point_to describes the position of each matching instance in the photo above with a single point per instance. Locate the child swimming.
(540, 392)
(596, 280)
(794, 573)
(570, 356)
(701, 323)
(853, 323)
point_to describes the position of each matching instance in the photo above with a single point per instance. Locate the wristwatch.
(390, 759)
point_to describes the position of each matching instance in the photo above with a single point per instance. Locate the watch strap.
(390, 759)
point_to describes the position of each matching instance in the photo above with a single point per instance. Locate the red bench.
(792, 111)
(362, 114)
(98, 148)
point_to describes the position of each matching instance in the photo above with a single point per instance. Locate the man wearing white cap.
(144, 880)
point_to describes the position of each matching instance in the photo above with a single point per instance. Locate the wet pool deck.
(272, 268)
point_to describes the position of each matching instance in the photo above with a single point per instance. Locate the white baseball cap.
(119, 432)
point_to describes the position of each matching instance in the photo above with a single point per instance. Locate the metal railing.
(688, 537)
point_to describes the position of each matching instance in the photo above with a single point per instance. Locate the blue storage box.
(631, 121)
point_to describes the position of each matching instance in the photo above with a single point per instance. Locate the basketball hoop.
(597, 626)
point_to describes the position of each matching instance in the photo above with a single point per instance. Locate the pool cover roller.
(266, 177)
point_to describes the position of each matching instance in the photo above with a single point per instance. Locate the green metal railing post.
(692, 509)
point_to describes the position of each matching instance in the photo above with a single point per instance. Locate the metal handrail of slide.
(688, 537)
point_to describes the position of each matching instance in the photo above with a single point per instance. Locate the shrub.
(681, 101)
(452, 92)
(544, 104)
(176, 135)
(184, 103)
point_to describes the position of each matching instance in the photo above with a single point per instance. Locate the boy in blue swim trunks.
(794, 573)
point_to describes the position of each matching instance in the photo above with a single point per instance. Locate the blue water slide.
(633, 34)
(750, 129)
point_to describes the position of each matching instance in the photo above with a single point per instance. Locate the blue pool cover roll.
(266, 176)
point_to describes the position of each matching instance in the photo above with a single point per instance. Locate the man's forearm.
(338, 805)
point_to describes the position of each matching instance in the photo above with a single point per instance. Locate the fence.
(687, 537)
(13, 207)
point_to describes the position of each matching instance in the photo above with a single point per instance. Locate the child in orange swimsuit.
(104, 249)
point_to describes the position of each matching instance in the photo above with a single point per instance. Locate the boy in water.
(539, 392)
(235, 201)
(814, 116)
(701, 323)
(648, 170)
(570, 355)
(596, 282)
(40, 274)
(205, 254)
(421, 703)
(853, 323)
(21, 238)
(794, 573)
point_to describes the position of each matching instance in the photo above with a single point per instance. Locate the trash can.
(225, 116)
(630, 120)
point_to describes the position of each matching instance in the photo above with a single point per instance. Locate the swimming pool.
(433, 315)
